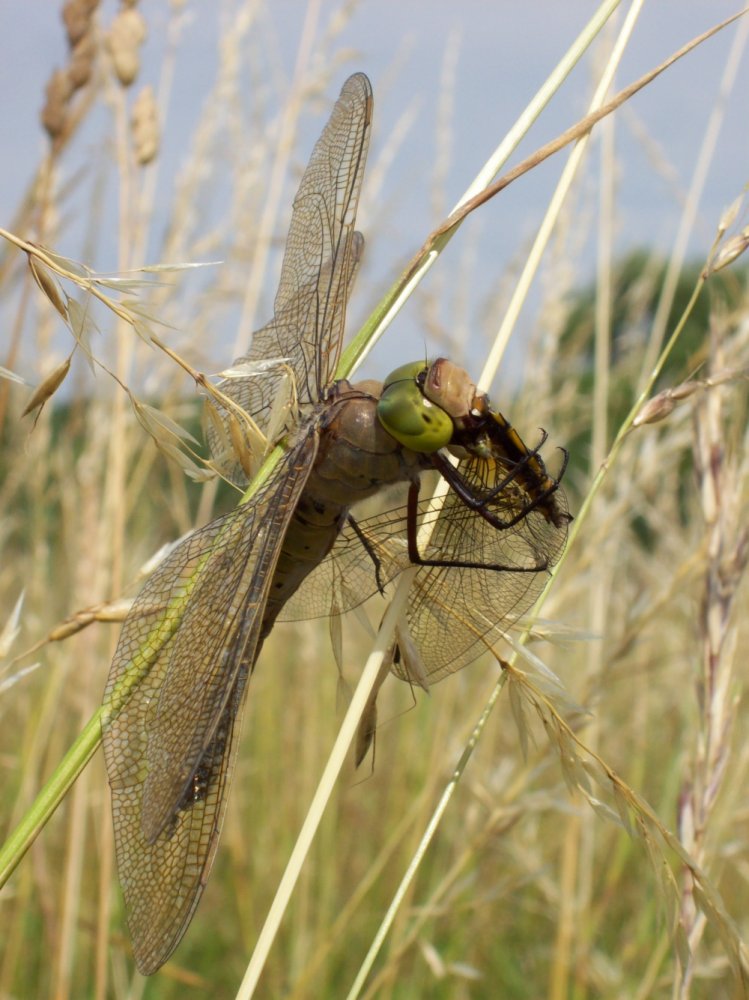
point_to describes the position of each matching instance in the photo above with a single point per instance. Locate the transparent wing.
(457, 612)
(321, 258)
(490, 578)
(173, 701)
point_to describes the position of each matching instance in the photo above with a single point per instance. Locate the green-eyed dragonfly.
(190, 643)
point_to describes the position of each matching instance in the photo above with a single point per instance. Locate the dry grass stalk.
(722, 470)
(68, 520)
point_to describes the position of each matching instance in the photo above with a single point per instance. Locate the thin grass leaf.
(117, 284)
(74, 267)
(11, 628)
(595, 770)
(433, 959)
(12, 679)
(141, 317)
(648, 835)
(572, 766)
(622, 807)
(13, 377)
(602, 809)
(335, 633)
(154, 561)
(517, 707)
(159, 424)
(681, 944)
(82, 325)
(547, 683)
(183, 461)
(464, 971)
(724, 926)
(185, 266)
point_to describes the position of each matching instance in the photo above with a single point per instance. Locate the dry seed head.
(145, 126)
(685, 390)
(730, 215)
(127, 34)
(240, 447)
(77, 16)
(48, 387)
(55, 111)
(81, 61)
(48, 285)
(728, 253)
(657, 408)
(660, 406)
(727, 375)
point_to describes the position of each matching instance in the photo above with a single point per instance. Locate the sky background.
(458, 74)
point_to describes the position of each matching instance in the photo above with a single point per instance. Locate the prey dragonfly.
(295, 550)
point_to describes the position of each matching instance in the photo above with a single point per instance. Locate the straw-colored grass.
(598, 832)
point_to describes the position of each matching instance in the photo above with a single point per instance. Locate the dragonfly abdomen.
(312, 531)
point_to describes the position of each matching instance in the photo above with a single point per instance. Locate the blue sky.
(496, 55)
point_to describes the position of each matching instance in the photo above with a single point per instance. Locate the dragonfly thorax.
(357, 455)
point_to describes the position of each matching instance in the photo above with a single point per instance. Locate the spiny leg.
(418, 560)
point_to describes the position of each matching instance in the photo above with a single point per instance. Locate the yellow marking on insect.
(150, 649)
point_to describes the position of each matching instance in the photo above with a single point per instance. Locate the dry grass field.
(597, 842)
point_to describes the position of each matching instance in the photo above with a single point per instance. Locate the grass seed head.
(145, 126)
(127, 34)
(55, 110)
(82, 61)
(77, 16)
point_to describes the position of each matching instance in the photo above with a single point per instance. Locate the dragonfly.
(299, 549)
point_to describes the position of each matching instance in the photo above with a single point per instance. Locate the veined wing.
(321, 258)
(173, 701)
(458, 611)
(490, 576)
(259, 393)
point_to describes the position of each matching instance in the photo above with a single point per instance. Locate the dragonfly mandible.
(297, 549)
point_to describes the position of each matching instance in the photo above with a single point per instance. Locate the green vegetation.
(532, 887)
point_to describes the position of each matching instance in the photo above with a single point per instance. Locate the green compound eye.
(408, 416)
(406, 373)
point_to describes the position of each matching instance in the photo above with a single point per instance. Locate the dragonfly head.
(451, 388)
(409, 415)
(422, 405)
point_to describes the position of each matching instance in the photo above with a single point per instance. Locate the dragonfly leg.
(417, 559)
(370, 552)
(481, 504)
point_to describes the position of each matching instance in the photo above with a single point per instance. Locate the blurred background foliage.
(526, 891)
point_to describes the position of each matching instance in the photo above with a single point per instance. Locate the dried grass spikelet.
(48, 285)
(47, 387)
(55, 111)
(664, 403)
(82, 61)
(729, 252)
(77, 16)
(127, 34)
(145, 126)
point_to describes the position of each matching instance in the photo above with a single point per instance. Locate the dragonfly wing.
(259, 393)
(366, 556)
(322, 248)
(455, 611)
(321, 258)
(173, 701)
